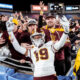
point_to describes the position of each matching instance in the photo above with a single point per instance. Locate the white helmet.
(38, 42)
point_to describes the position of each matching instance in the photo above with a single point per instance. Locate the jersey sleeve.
(15, 44)
(60, 43)
(51, 45)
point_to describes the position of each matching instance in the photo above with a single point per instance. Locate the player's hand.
(65, 24)
(41, 5)
(10, 25)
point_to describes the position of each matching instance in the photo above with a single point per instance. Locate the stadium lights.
(6, 6)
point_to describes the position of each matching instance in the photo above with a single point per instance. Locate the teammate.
(41, 54)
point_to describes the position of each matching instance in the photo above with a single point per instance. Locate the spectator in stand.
(77, 25)
(55, 32)
(32, 26)
(14, 54)
(29, 28)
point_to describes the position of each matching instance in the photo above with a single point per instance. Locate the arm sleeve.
(60, 43)
(15, 43)
(40, 22)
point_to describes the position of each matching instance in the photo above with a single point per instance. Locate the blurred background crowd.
(47, 22)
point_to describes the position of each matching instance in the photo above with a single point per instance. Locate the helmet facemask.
(38, 39)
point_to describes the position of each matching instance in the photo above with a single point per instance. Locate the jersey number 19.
(42, 54)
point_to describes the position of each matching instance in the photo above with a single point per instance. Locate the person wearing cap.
(53, 35)
(55, 32)
(30, 29)
(32, 26)
(24, 38)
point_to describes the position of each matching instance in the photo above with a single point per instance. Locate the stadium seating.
(64, 78)
(20, 76)
(9, 74)
(5, 72)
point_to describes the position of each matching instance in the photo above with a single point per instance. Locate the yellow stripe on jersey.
(77, 63)
(52, 30)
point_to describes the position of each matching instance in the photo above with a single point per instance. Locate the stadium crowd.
(25, 26)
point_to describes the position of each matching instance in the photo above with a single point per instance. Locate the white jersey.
(43, 60)
(43, 57)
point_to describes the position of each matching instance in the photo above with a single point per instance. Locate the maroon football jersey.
(56, 35)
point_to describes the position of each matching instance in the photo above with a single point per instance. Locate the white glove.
(10, 25)
(65, 24)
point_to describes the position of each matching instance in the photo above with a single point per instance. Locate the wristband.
(41, 12)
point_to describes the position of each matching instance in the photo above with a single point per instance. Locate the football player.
(41, 54)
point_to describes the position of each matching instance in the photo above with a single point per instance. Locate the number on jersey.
(42, 54)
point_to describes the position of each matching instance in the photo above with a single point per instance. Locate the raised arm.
(40, 21)
(10, 27)
(65, 24)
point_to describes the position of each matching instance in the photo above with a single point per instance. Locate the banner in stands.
(36, 8)
(72, 9)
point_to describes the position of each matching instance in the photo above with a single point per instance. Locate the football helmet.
(38, 39)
